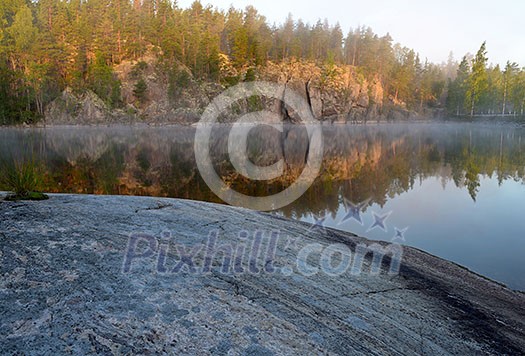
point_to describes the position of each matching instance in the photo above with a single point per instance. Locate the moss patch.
(28, 196)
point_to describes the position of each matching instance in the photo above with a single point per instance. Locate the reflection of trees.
(87, 175)
(360, 162)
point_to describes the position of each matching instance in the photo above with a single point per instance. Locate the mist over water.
(458, 188)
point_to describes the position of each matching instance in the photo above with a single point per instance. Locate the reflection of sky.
(487, 236)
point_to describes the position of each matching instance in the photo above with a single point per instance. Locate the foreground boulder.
(129, 275)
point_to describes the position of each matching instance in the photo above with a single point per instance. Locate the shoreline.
(194, 124)
(477, 120)
(76, 268)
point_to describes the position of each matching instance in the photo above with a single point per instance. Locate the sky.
(431, 28)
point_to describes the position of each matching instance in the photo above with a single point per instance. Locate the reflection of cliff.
(360, 162)
(75, 144)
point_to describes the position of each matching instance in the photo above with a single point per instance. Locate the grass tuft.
(23, 179)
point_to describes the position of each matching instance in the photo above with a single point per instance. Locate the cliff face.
(334, 93)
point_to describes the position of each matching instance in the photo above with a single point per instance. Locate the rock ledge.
(99, 275)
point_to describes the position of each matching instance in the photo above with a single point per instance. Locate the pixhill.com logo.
(260, 252)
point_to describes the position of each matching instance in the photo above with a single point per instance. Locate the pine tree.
(457, 92)
(103, 81)
(478, 81)
(493, 100)
(518, 93)
(508, 81)
(140, 90)
(47, 45)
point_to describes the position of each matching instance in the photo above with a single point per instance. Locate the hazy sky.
(432, 28)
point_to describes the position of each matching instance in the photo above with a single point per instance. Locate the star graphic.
(400, 234)
(318, 223)
(379, 221)
(291, 243)
(353, 211)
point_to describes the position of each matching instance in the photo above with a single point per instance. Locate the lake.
(455, 190)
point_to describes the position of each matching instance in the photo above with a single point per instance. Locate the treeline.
(48, 45)
(478, 89)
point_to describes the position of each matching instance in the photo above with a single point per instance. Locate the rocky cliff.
(172, 95)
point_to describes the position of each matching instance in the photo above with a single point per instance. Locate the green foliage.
(230, 81)
(24, 178)
(8, 104)
(141, 66)
(104, 82)
(328, 72)
(457, 88)
(46, 46)
(108, 168)
(479, 89)
(22, 30)
(178, 81)
(143, 160)
(254, 103)
(251, 75)
(141, 90)
(478, 80)
(518, 93)
(14, 98)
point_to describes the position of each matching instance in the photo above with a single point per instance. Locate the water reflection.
(383, 164)
(360, 162)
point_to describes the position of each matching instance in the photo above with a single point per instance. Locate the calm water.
(456, 190)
